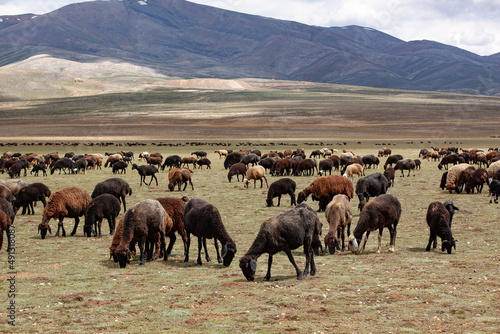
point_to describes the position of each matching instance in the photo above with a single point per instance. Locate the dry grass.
(69, 285)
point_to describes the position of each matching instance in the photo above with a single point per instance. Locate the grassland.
(69, 285)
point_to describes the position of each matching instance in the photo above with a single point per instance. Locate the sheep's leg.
(60, 226)
(432, 237)
(269, 263)
(279, 200)
(99, 222)
(265, 179)
(112, 224)
(292, 260)
(379, 241)
(200, 241)
(172, 238)
(143, 251)
(293, 201)
(392, 231)
(219, 258)
(307, 252)
(77, 221)
(186, 250)
(206, 251)
(155, 179)
(31, 209)
(191, 183)
(363, 242)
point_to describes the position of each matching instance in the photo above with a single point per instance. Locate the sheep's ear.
(454, 207)
(253, 265)
(223, 251)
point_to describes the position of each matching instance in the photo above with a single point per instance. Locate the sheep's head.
(171, 186)
(331, 242)
(447, 245)
(123, 255)
(269, 202)
(43, 228)
(301, 197)
(228, 251)
(353, 243)
(248, 267)
(87, 230)
(246, 182)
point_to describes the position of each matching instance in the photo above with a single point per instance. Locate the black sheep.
(29, 195)
(439, 218)
(250, 158)
(121, 166)
(370, 160)
(325, 165)
(103, 206)
(392, 159)
(41, 167)
(383, 211)
(281, 187)
(172, 161)
(405, 164)
(232, 158)
(146, 170)
(267, 163)
(494, 190)
(371, 186)
(114, 186)
(62, 165)
(203, 220)
(204, 162)
(284, 232)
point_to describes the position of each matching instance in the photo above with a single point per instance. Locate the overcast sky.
(467, 24)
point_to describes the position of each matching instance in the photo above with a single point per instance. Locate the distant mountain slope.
(180, 38)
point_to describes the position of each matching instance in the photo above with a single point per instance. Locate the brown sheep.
(112, 159)
(255, 173)
(71, 202)
(354, 169)
(179, 177)
(189, 160)
(338, 213)
(175, 209)
(237, 169)
(5, 223)
(325, 187)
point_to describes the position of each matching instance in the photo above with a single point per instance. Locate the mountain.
(180, 38)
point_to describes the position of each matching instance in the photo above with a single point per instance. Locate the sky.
(467, 24)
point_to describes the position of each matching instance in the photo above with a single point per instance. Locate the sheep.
(237, 169)
(494, 190)
(250, 158)
(143, 155)
(284, 232)
(267, 163)
(120, 166)
(188, 160)
(325, 165)
(7, 207)
(15, 169)
(114, 186)
(389, 174)
(354, 169)
(179, 177)
(222, 153)
(203, 220)
(449, 159)
(172, 161)
(62, 165)
(103, 206)
(370, 160)
(175, 210)
(315, 154)
(5, 223)
(112, 159)
(155, 161)
(405, 164)
(338, 213)
(439, 218)
(255, 173)
(204, 162)
(453, 174)
(463, 178)
(71, 202)
(146, 170)
(325, 187)
(493, 168)
(326, 152)
(281, 187)
(383, 211)
(392, 159)
(6, 193)
(479, 178)
(29, 195)
(232, 158)
(14, 185)
(371, 186)
(282, 167)
(41, 167)
(305, 167)
(142, 223)
(200, 154)
(81, 165)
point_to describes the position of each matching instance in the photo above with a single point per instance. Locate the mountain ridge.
(184, 39)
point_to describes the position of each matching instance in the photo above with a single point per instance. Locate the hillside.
(179, 38)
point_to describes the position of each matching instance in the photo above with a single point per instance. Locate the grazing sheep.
(282, 167)
(175, 209)
(449, 159)
(392, 159)
(146, 170)
(203, 220)
(222, 153)
(172, 161)
(81, 165)
(306, 167)
(179, 177)
(5, 223)
(325, 165)
(6, 193)
(325, 187)
(188, 160)
(103, 206)
(14, 185)
(370, 160)
(255, 173)
(281, 187)
(453, 175)
(267, 163)
(120, 166)
(494, 190)
(232, 158)
(40, 167)
(29, 195)
(112, 159)
(71, 202)
(354, 169)
(389, 174)
(383, 211)
(284, 232)
(250, 158)
(204, 162)
(63, 165)
(371, 186)
(439, 217)
(237, 169)
(142, 223)
(155, 161)
(115, 186)
(405, 164)
(493, 168)
(199, 154)
(143, 155)
(338, 213)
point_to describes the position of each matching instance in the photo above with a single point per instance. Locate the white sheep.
(493, 168)
(255, 173)
(453, 174)
(222, 153)
(354, 169)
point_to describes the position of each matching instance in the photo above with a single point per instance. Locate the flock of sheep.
(148, 222)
